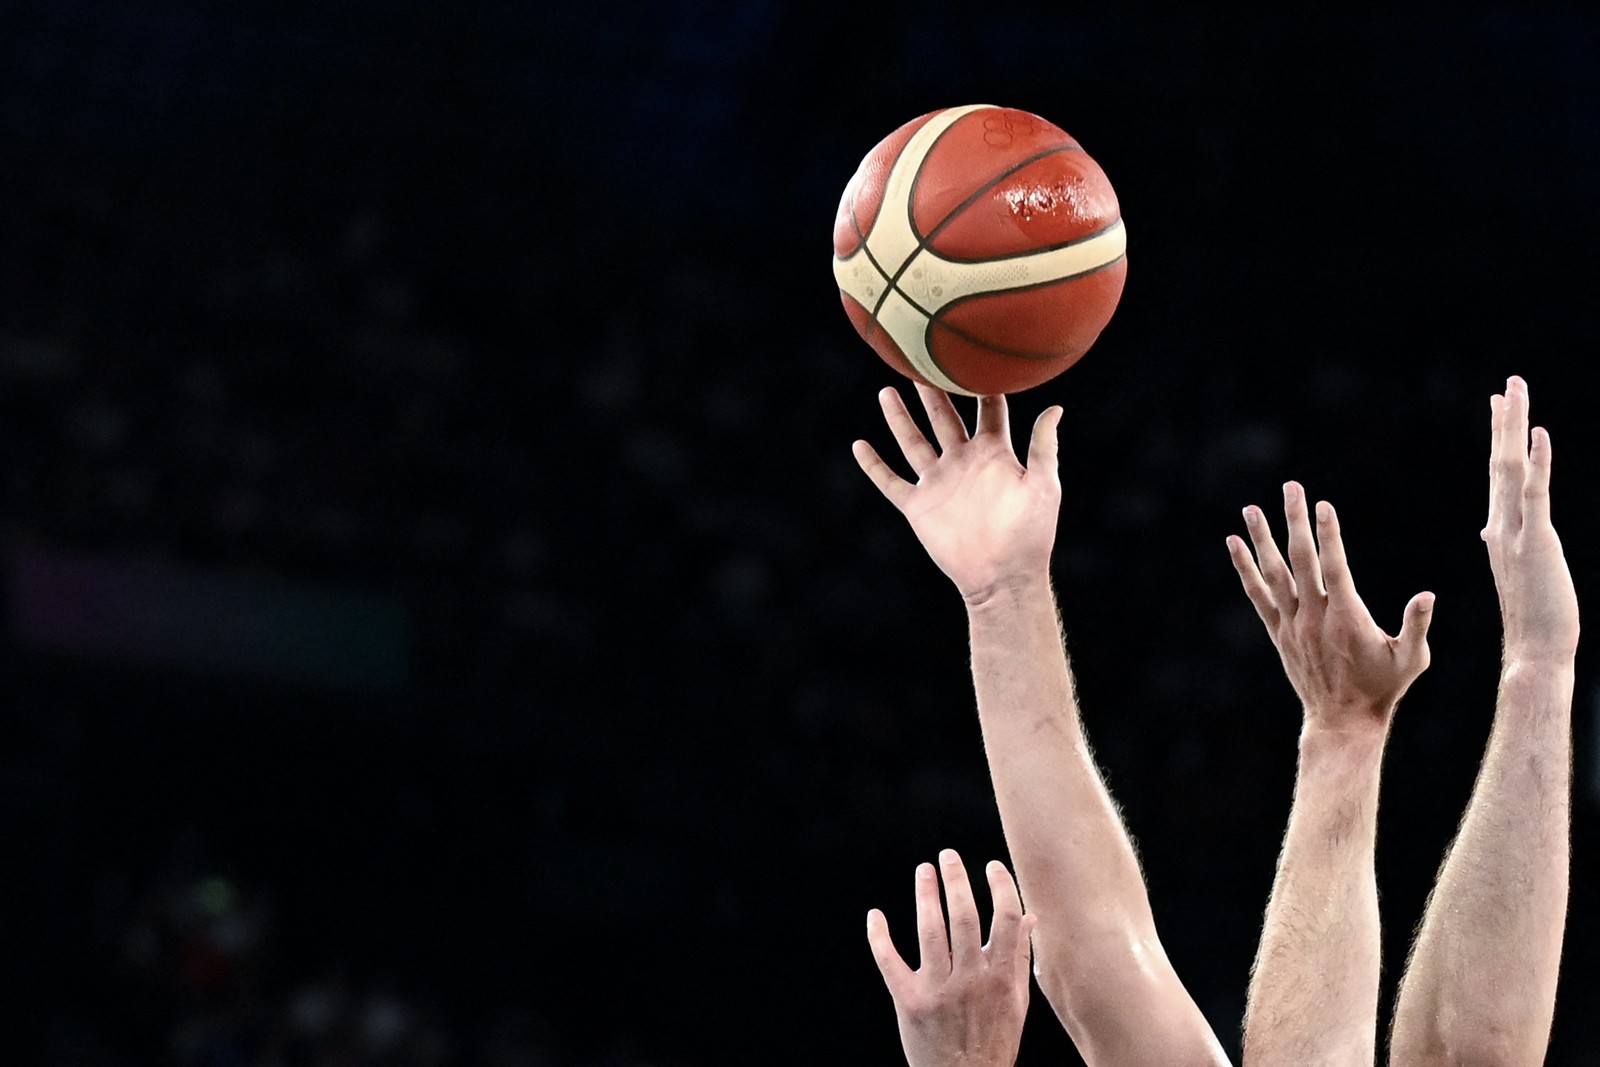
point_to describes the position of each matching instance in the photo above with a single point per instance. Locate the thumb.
(1043, 446)
(1025, 943)
(1413, 640)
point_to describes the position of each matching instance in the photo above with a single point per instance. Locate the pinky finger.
(894, 969)
(888, 482)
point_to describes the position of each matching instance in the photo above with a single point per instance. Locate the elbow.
(1497, 1048)
(1087, 977)
(1472, 1045)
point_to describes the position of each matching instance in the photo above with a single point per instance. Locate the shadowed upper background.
(444, 622)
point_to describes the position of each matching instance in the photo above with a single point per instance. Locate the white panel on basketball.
(908, 326)
(858, 277)
(892, 240)
(958, 279)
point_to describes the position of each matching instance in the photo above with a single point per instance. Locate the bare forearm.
(1314, 989)
(1095, 948)
(1482, 977)
(1075, 861)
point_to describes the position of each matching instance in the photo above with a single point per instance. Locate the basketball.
(979, 249)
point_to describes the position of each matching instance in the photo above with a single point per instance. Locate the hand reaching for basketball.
(965, 1004)
(987, 521)
(1346, 670)
(1538, 604)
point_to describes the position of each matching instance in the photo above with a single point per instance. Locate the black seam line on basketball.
(1101, 232)
(856, 226)
(930, 315)
(893, 287)
(911, 200)
(927, 346)
(935, 319)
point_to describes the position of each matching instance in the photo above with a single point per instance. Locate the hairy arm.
(1481, 983)
(1099, 960)
(989, 523)
(1314, 988)
(1313, 996)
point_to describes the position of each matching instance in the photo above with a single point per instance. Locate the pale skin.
(1313, 996)
(989, 522)
(965, 1003)
(1480, 986)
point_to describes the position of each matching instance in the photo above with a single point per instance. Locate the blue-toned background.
(444, 623)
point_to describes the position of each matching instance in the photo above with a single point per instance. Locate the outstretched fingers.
(1510, 467)
(1044, 444)
(934, 949)
(993, 416)
(1411, 647)
(1302, 548)
(918, 452)
(1255, 587)
(896, 973)
(1009, 929)
(1536, 488)
(881, 474)
(966, 929)
(1270, 561)
(1330, 550)
(943, 417)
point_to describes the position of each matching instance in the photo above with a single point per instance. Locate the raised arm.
(1481, 983)
(1314, 988)
(989, 523)
(965, 1004)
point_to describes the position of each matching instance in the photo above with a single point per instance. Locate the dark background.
(446, 624)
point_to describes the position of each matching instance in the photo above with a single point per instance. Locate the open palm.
(983, 517)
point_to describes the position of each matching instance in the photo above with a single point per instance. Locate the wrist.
(1353, 719)
(1538, 674)
(1008, 590)
(1360, 740)
(1537, 659)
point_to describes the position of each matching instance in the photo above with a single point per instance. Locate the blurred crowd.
(193, 971)
(305, 296)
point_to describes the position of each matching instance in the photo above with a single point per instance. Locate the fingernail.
(1250, 516)
(1324, 511)
(948, 856)
(924, 870)
(1291, 492)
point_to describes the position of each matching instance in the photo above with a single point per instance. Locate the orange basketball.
(979, 249)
